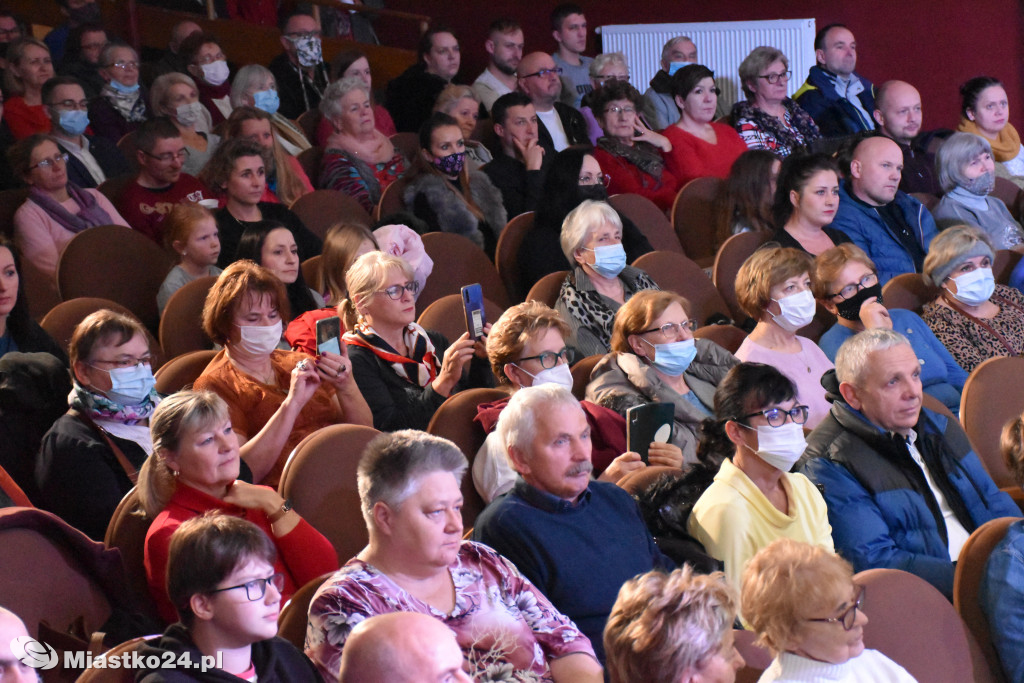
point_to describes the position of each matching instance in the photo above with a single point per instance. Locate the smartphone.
(473, 302)
(328, 335)
(648, 423)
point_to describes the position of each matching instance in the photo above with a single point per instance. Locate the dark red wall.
(933, 44)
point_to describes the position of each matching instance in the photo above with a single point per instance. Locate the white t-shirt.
(955, 531)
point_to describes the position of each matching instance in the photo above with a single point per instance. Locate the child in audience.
(191, 231)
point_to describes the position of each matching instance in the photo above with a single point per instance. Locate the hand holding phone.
(473, 302)
(328, 335)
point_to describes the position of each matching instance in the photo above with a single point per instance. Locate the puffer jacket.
(623, 380)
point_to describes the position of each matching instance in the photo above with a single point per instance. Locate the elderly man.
(891, 226)
(677, 53)
(91, 159)
(300, 71)
(569, 28)
(504, 46)
(560, 125)
(402, 647)
(898, 114)
(556, 525)
(839, 100)
(904, 488)
(410, 97)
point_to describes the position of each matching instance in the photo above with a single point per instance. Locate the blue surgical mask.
(609, 260)
(121, 87)
(675, 357)
(673, 67)
(130, 386)
(266, 100)
(74, 121)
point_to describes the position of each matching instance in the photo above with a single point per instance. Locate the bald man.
(891, 226)
(11, 669)
(898, 114)
(171, 61)
(560, 126)
(402, 647)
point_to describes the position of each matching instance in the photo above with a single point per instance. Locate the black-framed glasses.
(394, 292)
(849, 616)
(775, 78)
(257, 588)
(549, 359)
(777, 416)
(181, 155)
(545, 72)
(47, 163)
(674, 329)
(71, 104)
(124, 66)
(620, 110)
(869, 280)
(591, 179)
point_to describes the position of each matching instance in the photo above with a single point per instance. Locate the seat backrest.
(506, 256)
(311, 272)
(459, 262)
(311, 160)
(730, 256)
(581, 374)
(102, 672)
(729, 337)
(320, 209)
(970, 569)
(291, 623)
(1004, 263)
(1007, 191)
(757, 658)
(60, 322)
(319, 478)
(679, 274)
(546, 289)
(113, 188)
(10, 202)
(693, 217)
(182, 371)
(651, 220)
(908, 619)
(637, 481)
(116, 263)
(181, 325)
(909, 291)
(986, 405)
(127, 532)
(454, 421)
(392, 199)
(926, 198)
(128, 148)
(308, 122)
(408, 143)
(447, 315)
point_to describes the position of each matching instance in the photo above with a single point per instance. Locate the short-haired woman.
(255, 86)
(463, 104)
(176, 96)
(121, 106)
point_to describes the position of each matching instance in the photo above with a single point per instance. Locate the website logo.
(33, 653)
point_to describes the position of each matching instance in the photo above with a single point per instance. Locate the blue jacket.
(882, 511)
(872, 234)
(835, 116)
(1002, 599)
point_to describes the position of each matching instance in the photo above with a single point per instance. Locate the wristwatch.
(286, 507)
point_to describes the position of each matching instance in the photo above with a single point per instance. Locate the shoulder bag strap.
(126, 465)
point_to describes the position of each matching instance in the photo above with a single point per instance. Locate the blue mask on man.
(74, 121)
(673, 67)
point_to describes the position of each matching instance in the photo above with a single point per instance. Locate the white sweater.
(870, 667)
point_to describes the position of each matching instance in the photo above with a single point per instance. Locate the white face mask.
(974, 288)
(795, 310)
(560, 375)
(782, 446)
(259, 340)
(216, 73)
(189, 114)
(130, 386)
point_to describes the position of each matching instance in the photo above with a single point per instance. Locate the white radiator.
(721, 46)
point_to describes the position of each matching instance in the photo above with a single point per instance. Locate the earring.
(175, 473)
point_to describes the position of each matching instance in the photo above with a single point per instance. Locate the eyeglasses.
(257, 588)
(394, 292)
(10, 32)
(125, 362)
(210, 59)
(620, 110)
(304, 35)
(775, 78)
(124, 66)
(849, 616)
(543, 73)
(592, 179)
(549, 359)
(71, 104)
(605, 79)
(869, 280)
(47, 163)
(777, 416)
(674, 329)
(181, 155)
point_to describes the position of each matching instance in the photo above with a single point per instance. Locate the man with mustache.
(556, 525)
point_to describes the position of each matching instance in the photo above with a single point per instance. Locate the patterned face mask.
(451, 164)
(308, 50)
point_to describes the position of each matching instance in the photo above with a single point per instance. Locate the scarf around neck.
(1005, 147)
(90, 213)
(130, 105)
(420, 368)
(99, 407)
(642, 155)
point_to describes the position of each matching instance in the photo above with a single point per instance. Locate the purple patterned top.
(505, 626)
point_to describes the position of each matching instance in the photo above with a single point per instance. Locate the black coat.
(107, 155)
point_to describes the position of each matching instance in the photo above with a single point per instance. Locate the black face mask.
(597, 192)
(850, 308)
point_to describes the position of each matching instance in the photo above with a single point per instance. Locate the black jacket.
(231, 230)
(574, 124)
(410, 97)
(107, 155)
(298, 94)
(521, 190)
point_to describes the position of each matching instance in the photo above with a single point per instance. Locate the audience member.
(504, 47)
(29, 66)
(121, 106)
(196, 469)
(679, 52)
(806, 199)
(90, 457)
(160, 154)
(208, 65)
(520, 169)
(846, 283)
(402, 647)
(745, 202)
(82, 57)
(768, 118)
(903, 486)
(757, 433)
(967, 175)
(972, 316)
(788, 588)
(300, 71)
(569, 28)
(255, 86)
(77, 12)
(985, 111)
(892, 228)
(410, 96)
(606, 67)
(12, 628)
(898, 115)
(8, 180)
(191, 232)
(171, 59)
(354, 64)
(175, 96)
(655, 359)
(556, 524)
(233, 625)
(839, 100)
(416, 562)
(12, 27)
(271, 245)
(275, 398)
(91, 159)
(561, 126)
(462, 104)
(18, 331)
(286, 179)
(673, 627)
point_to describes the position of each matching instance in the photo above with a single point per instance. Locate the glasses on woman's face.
(674, 330)
(257, 588)
(53, 161)
(595, 179)
(777, 416)
(549, 359)
(775, 78)
(625, 111)
(394, 292)
(849, 616)
(869, 280)
(123, 363)
(125, 66)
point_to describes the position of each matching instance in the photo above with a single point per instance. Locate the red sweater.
(691, 157)
(25, 120)
(627, 178)
(145, 209)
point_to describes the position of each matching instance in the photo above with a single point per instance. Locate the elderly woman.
(208, 65)
(673, 627)
(194, 470)
(600, 281)
(359, 160)
(275, 398)
(985, 111)
(745, 201)
(768, 118)
(91, 456)
(121, 106)
(806, 200)
(655, 359)
(605, 68)
(700, 146)
(967, 176)
(404, 371)
(757, 433)
(463, 104)
(255, 86)
(773, 287)
(272, 245)
(18, 331)
(354, 64)
(846, 283)
(806, 609)
(29, 66)
(630, 152)
(286, 179)
(175, 95)
(416, 562)
(973, 317)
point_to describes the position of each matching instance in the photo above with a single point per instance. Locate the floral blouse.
(505, 626)
(970, 343)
